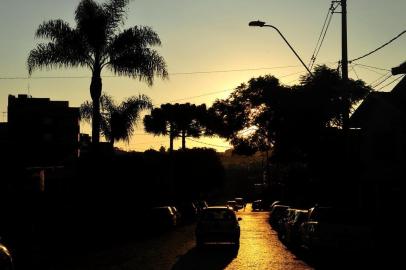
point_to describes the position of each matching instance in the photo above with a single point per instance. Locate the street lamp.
(262, 24)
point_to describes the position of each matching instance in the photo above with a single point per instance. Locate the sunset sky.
(208, 47)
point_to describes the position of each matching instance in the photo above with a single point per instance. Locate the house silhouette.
(381, 123)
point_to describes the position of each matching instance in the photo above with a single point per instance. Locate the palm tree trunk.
(95, 92)
(170, 138)
(183, 140)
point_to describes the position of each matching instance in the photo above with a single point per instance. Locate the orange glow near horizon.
(208, 47)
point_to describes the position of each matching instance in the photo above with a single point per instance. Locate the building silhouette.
(42, 132)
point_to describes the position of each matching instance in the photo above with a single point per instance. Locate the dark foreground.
(259, 249)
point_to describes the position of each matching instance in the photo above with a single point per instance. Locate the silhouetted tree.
(177, 120)
(264, 113)
(302, 125)
(96, 43)
(160, 122)
(324, 95)
(117, 121)
(246, 117)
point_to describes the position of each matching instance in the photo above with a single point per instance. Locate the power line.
(370, 69)
(381, 82)
(322, 35)
(221, 91)
(151, 142)
(318, 40)
(355, 72)
(49, 77)
(202, 95)
(386, 75)
(289, 82)
(291, 74)
(230, 70)
(398, 78)
(209, 144)
(171, 74)
(379, 78)
(369, 66)
(377, 49)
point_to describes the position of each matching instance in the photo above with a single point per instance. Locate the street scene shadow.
(211, 257)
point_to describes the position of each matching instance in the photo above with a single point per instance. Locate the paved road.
(175, 250)
(260, 247)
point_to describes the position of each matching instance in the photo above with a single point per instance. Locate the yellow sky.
(210, 35)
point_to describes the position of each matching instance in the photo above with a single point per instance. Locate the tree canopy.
(177, 120)
(263, 113)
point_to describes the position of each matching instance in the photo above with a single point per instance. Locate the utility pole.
(344, 68)
(346, 97)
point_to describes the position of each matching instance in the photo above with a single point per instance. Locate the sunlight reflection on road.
(260, 247)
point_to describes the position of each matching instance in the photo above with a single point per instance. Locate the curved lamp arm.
(262, 24)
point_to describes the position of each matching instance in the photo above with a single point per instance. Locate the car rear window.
(218, 215)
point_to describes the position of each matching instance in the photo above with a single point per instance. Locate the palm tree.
(96, 43)
(117, 121)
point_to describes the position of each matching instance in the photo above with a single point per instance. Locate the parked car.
(277, 212)
(274, 203)
(232, 205)
(282, 221)
(162, 217)
(177, 214)
(188, 211)
(292, 227)
(6, 260)
(218, 224)
(332, 229)
(240, 204)
(201, 204)
(257, 205)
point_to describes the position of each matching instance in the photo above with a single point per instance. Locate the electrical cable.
(370, 69)
(322, 34)
(214, 145)
(379, 78)
(369, 66)
(377, 49)
(398, 78)
(381, 82)
(318, 40)
(198, 96)
(355, 72)
(170, 74)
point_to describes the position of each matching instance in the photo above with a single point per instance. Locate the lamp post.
(263, 24)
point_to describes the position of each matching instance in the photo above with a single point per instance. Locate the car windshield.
(218, 215)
